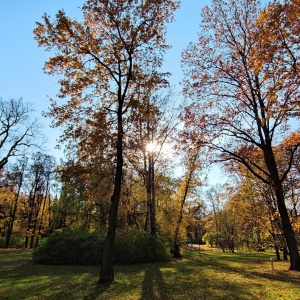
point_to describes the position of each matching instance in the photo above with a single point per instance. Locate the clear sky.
(21, 60)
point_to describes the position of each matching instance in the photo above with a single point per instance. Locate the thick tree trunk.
(288, 231)
(107, 272)
(285, 220)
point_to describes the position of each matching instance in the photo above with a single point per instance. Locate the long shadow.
(249, 272)
(154, 287)
(58, 276)
(205, 287)
(97, 291)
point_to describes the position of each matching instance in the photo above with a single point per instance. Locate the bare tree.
(17, 129)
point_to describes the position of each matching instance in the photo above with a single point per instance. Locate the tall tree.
(103, 58)
(38, 177)
(240, 105)
(191, 164)
(155, 120)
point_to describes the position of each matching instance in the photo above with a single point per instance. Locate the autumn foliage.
(243, 80)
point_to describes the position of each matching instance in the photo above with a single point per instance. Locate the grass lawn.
(209, 275)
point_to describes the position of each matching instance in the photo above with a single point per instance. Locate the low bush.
(134, 246)
(71, 246)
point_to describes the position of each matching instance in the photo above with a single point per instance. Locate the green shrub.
(158, 249)
(72, 246)
(134, 246)
(91, 250)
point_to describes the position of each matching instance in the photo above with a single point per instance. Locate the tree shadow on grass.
(57, 282)
(97, 291)
(154, 287)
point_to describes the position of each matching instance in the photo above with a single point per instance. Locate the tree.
(17, 129)
(38, 177)
(223, 223)
(6, 205)
(16, 178)
(155, 120)
(84, 196)
(103, 58)
(185, 187)
(209, 238)
(256, 206)
(240, 105)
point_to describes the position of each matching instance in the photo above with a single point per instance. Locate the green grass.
(211, 275)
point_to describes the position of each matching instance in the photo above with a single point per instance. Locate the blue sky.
(21, 60)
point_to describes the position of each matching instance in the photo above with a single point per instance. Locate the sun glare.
(150, 147)
(164, 151)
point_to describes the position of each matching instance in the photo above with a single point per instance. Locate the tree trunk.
(32, 241)
(11, 224)
(13, 215)
(187, 183)
(285, 220)
(35, 219)
(285, 253)
(42, 217)
(277, 252)
(152, 217)
(26, 241)
(107, 272)
(288, 231)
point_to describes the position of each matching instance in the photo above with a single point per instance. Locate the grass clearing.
(209, 274)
